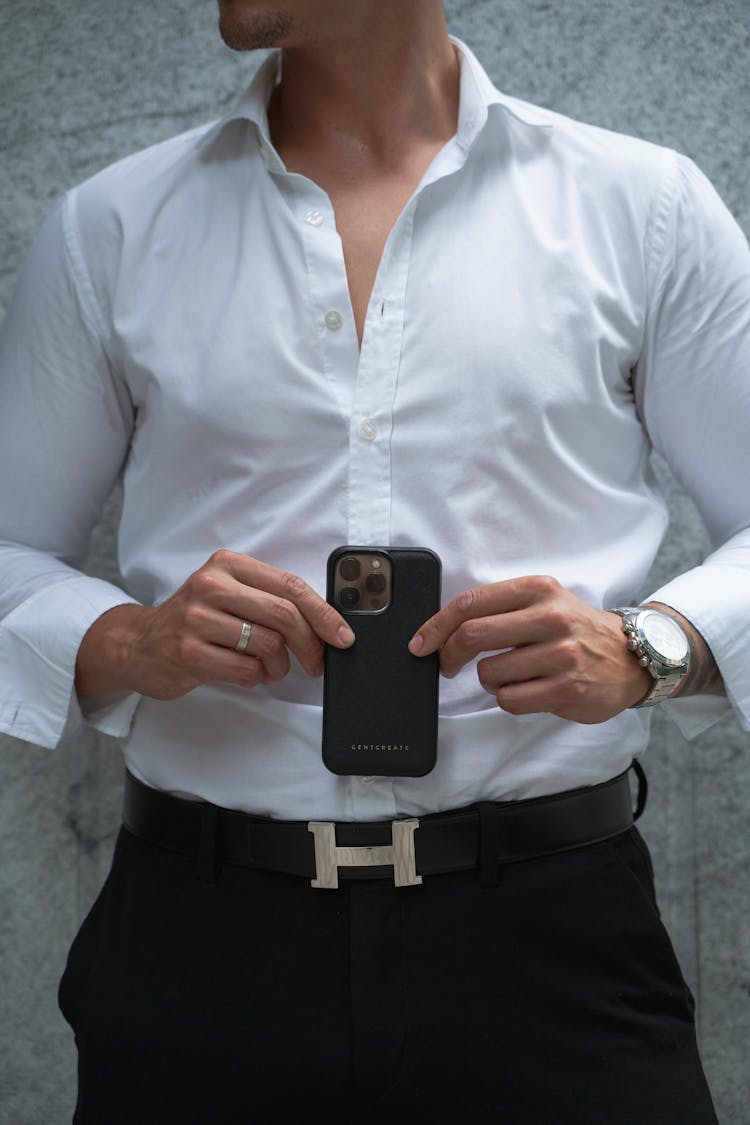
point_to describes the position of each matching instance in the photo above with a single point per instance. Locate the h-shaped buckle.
(399, 854)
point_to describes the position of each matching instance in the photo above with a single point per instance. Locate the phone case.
(380, 703)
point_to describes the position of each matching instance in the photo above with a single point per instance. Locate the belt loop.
(489, 844)
(205, 868)
(642, 797)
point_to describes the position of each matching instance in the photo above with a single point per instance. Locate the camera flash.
(376, 564)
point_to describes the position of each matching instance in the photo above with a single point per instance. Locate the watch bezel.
(656, 655)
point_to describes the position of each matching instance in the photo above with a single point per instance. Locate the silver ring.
(244, 640)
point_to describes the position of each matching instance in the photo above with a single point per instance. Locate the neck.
(371, 89)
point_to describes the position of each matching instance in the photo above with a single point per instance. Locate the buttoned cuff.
(39, 642)
(715, 599)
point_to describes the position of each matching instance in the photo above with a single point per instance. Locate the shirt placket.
(371, 422)
(370, 428)
(364, 380)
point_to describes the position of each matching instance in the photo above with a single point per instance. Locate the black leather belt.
(404, 850)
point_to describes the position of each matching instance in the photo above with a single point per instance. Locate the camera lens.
(349, 597)
(375, 583)
(349, 569)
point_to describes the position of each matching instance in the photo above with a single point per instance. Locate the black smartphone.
(380, 703)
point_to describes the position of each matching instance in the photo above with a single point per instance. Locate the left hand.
(551, 652)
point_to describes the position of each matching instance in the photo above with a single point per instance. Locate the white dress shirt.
(553, 301)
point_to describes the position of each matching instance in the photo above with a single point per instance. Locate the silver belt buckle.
(399, 854)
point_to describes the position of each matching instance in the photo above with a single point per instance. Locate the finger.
(217, 628)
(510, 630)
(205, 662)
(531, 697)
(325, 621)
(555, 695)
(243, 671)
(531, 662)
(281, 618)
(265, 645)
(481, 601)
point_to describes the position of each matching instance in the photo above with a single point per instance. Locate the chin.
(253, 30)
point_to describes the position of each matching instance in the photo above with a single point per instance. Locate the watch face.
(665, 637)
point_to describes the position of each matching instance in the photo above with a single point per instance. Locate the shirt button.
(368, 430)
(314, 218)
(333, 320)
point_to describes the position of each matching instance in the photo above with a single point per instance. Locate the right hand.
(167, 650)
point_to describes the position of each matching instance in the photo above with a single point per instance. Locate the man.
(378, 303)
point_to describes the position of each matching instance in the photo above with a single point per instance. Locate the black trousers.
(552, 998)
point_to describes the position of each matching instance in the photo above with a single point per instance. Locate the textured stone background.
(86, 81)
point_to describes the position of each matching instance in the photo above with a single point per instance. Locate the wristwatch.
(659, 644)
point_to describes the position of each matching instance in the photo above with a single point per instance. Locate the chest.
(365, 215)
(486, 321)
(366, 205)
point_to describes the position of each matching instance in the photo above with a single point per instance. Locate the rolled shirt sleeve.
(693, 390)
(65, 427)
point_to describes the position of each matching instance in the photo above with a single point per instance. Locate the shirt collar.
(477, 95)
(253, 104)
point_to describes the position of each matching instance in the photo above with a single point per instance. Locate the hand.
(167, 650)
(551, 651)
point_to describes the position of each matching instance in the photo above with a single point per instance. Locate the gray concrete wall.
(86, 81)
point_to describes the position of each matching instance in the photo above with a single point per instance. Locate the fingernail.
(346, 636)
(416, 644)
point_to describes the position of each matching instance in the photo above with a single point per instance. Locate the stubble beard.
(254, 31)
